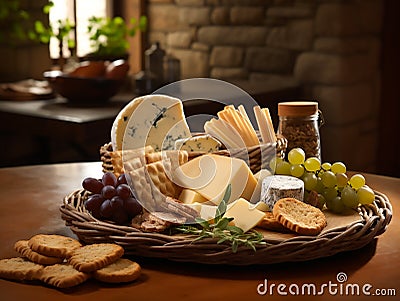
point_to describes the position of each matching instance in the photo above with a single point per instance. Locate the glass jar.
(299, 123)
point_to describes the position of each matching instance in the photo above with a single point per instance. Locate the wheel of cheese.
(277, 187)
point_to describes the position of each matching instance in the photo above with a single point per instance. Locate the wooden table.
(29, 204)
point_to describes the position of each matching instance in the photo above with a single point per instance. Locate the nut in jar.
(299, 123)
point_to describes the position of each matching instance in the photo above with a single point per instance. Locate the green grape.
(297, 170)
(296, 156)
(349, 197)
(357, 181)
(338, 167)
(341, 179)
(310, 181)
(319, 187)
(312, 164)
(336, 205)
(326, 166)
(328, 178)
(274, 161)
(329, 194)
(365, 195)
(283, 168)
(321, 201)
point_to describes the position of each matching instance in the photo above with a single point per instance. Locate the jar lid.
(297, 108)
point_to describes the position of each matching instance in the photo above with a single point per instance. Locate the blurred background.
(343, 54)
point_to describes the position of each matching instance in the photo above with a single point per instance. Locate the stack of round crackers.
(63, 262)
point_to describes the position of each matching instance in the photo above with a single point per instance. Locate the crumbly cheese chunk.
(202, 143)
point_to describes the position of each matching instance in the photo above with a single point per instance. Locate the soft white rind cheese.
(158, 120)
(277, 187)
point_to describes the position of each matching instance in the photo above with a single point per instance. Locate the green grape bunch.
(325, 184)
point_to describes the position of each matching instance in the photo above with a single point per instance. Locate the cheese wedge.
(121, 121)
(210, 175)
(155, 120)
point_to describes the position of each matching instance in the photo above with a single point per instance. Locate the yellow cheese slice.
(210, 175)
(205, 211)
(189, 196)
(244, 216)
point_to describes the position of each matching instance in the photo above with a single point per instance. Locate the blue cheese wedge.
(278, 187)
(121, 121)
(158, 121)
(201, 143)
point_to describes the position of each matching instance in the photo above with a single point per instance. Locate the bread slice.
(299, 217)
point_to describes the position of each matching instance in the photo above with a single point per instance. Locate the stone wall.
(331, 47)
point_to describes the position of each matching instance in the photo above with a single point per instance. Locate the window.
(77, 12)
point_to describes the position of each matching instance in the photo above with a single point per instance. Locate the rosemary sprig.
(220, 228)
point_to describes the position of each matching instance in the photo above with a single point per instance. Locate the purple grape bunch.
(111, 198)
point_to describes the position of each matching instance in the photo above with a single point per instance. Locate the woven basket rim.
(374, 220)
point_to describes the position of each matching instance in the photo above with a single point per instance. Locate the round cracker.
(62, 276)
(123, 270)
(23, 248)
(19, 268)
(53, 245)
(96, 256)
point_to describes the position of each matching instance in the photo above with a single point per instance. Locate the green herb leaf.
(235, 230)
(202, 222)
(221, 209)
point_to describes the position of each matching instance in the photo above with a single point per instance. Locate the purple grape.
(108, 192)
(132, 207)
(117, 203)
(122, 179)
(109, 179)
(123, 191)
(93, 203)
(106, 210)
(120, 216)
(93, 185)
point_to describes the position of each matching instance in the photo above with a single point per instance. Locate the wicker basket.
(256, 156)
(374, 221)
